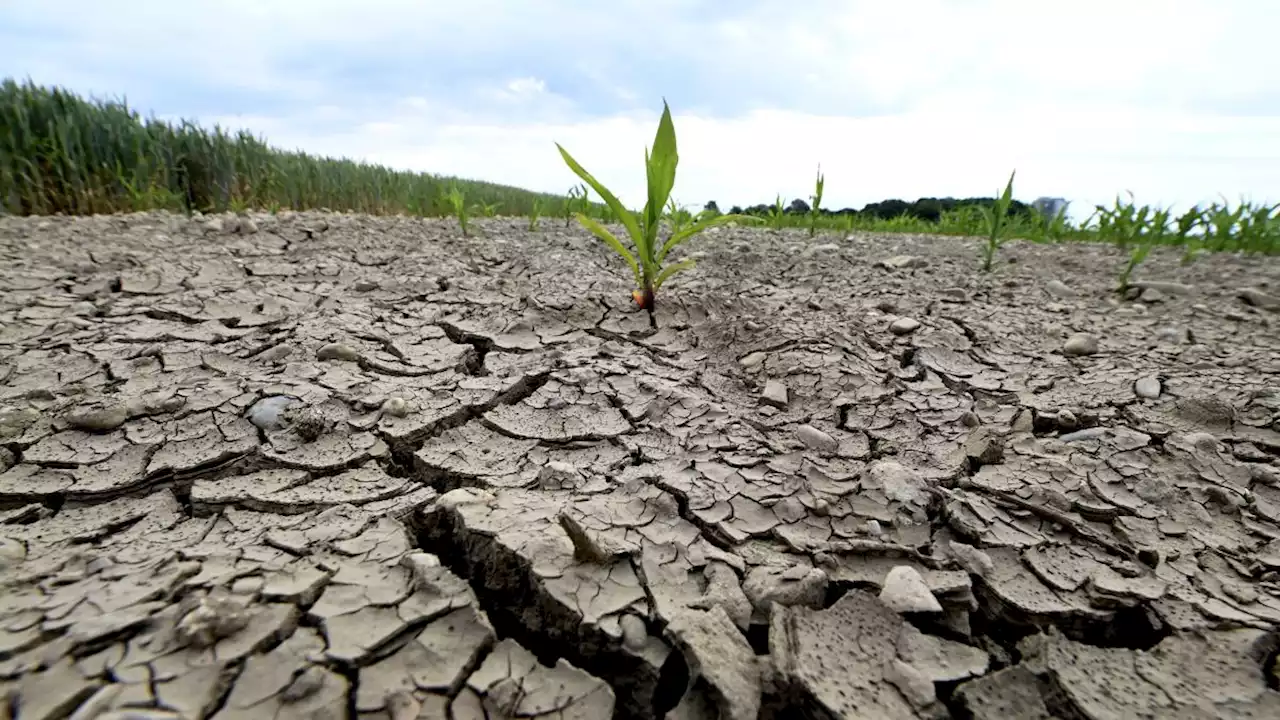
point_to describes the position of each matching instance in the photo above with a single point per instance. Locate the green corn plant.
(678, 216)
(489, 209)
(534, 213)
(646, 262)
(1136, 256)
(571, 202)
(458, 202)
(777, 214)
(994, 218)
(847, 223)
(817, 201)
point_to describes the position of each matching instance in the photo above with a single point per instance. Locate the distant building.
(1050, 208)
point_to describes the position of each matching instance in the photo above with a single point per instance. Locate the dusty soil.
(336, 466)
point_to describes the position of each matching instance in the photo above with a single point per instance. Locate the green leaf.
(603, 233)
(670, 270)
(697, 227)
(660, 168)
(624, 215)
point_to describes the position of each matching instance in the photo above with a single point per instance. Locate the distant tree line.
(928, 209)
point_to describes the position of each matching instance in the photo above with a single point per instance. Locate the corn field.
(60, 153)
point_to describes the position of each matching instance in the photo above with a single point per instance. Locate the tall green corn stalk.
(646, 262)
(994, 218)
(814, 212)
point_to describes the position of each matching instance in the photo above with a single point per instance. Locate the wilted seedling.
(994, 217)
(817, 201)
(647, 261)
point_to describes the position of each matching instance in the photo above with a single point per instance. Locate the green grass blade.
(612, 241)
(672, 269)
(625, 216)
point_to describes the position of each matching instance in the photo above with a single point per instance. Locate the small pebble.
(337, 351)
(774, 394)
(816, 439)
(904, 326)
(1080, 344)
(395, 407)
(1147, 387)
(905, 590)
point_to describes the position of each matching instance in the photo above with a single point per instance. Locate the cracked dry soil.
(323, 465)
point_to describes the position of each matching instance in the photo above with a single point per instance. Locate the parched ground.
(328, 466)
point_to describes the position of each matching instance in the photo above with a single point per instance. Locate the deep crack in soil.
(329, 465)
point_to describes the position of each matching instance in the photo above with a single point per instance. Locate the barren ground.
(324, 465)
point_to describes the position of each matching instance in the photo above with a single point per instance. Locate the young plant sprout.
(1136, 256)
(994, 218)
(777, 214)
(458, 201)
(817, 201)
(647, 261)
(534, 213)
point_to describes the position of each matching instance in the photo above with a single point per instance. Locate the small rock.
(366, 286)
(268, 413)
(955, 294)
(973, 560)
(1151, 295)
(904, 326)
(248, 226)
(1177, 335)
(774, 394)
(905, 591)
(1258, 298)
(886, 305)
(1059, 289)
(1080, 344)
(559, 475)
(395, 407)
(100, 419)
(634, 632)
(899, 262)
(213, 226)
(211, 620)
(873, 528)
(337, 351)
(1067, 421)
(816, 439)
(752, 360)
(970, 419)
(7, 459)
(1147, 387)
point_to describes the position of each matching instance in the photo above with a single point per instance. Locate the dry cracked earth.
(333, 466)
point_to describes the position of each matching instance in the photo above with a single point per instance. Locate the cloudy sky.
(1177, 101)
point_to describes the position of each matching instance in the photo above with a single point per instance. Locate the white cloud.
(1172, 99)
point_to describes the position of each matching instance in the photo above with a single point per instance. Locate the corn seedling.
(817, 201)
(1136, 256)
(489, 209)
(574, 200)
(777, 214)
(646, 262)
(994, 218)
(458, 202)
(534, 214)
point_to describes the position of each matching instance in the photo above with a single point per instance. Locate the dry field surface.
(324, 466)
